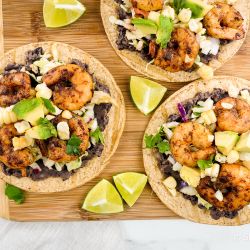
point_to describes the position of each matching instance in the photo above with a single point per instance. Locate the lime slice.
(58, 13)
(103, 198)
(130, 185)
(146, 94)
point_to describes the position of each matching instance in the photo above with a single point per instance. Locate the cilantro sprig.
(48, 105)
(14, 193)
(73, 145)
(157, 141)
(203, 164)
(98, 136)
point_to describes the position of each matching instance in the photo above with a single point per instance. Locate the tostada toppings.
(53, 116)
(177, 35)
(203, 150)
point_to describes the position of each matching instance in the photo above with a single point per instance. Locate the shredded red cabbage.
(182, 112)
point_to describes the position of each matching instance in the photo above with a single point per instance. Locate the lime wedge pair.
(103, 198)
(58, 13)
(146, 94)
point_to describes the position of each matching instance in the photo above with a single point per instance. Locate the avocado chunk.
(190, 175)
(196, 6)
(146, 26)
(29, 110)
(164, 32)
(225, 141)
(43, 130)
(243, 144)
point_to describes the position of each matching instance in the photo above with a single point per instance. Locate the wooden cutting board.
(23, 23)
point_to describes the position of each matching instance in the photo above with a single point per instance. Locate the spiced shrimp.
(181, 52)
(55, 148)
(224, 22)
(147, 5)
(191, 142)
(15, 87)
(234, 183)
(73, 86)
(15, 159)
(233, 114)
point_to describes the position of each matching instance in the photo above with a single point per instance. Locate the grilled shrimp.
(19, 159)
(73, 86)
(224, 22)
(15, 87)
(190, 142)
(181, 52)
(234, 182)
(55, 148)
(147, 5)
(233, 114)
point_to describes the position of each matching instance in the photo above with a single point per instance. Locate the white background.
(126, 235)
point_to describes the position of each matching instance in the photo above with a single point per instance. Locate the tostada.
(196, 151)
(61, 117)
(179, 40)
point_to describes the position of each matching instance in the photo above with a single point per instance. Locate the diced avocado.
(164, 32)
(43, 130)
(203, 202)
(29, 110)
(243, 144)
(197, 7)
(190, 175)
(225, 141)
(146, 26)
(74, 164)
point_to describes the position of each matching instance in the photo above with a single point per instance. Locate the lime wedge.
(58, 13)
(103, 198)
(146, 94)
(130, 185)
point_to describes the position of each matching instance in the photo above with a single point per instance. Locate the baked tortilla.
(178, 204)
(134, 60)
(112, 132)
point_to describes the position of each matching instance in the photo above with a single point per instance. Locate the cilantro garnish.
(97, 134)
(203, 164)
(156, 141)
(73, 145)
(14, 193)
(49, 106)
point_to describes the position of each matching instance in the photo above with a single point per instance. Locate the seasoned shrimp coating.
(224, 22)
(19, 159)
(191, 142)
(234, 182)
(181, 52)
(55, 148)
(73, 86)
(235, 117)
(148, 5)
(15, 87)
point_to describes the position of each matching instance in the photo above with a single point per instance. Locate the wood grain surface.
(23, 23)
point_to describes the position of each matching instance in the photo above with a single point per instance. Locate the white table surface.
(126, 235)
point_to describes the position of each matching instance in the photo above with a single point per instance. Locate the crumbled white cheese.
(227, 105)
(50, 117)
(66, 114)
(93, 125)
(218, 195)
(102, 97)
(172, 124)
(195, 25)
(35, 166)
(63, 130)
(185, 15)
(7, 116)
(48, 162)
(188, 190)
(22, 126)
(43, 91)
(177, 166)
(220, 158)
(233, 91)
(168, 12)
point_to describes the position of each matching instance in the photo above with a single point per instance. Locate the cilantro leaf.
(14, 193)
(73, 145)
(163, 146)
(156, 141)
(48, 104)
(97, 134)
(203, 164)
